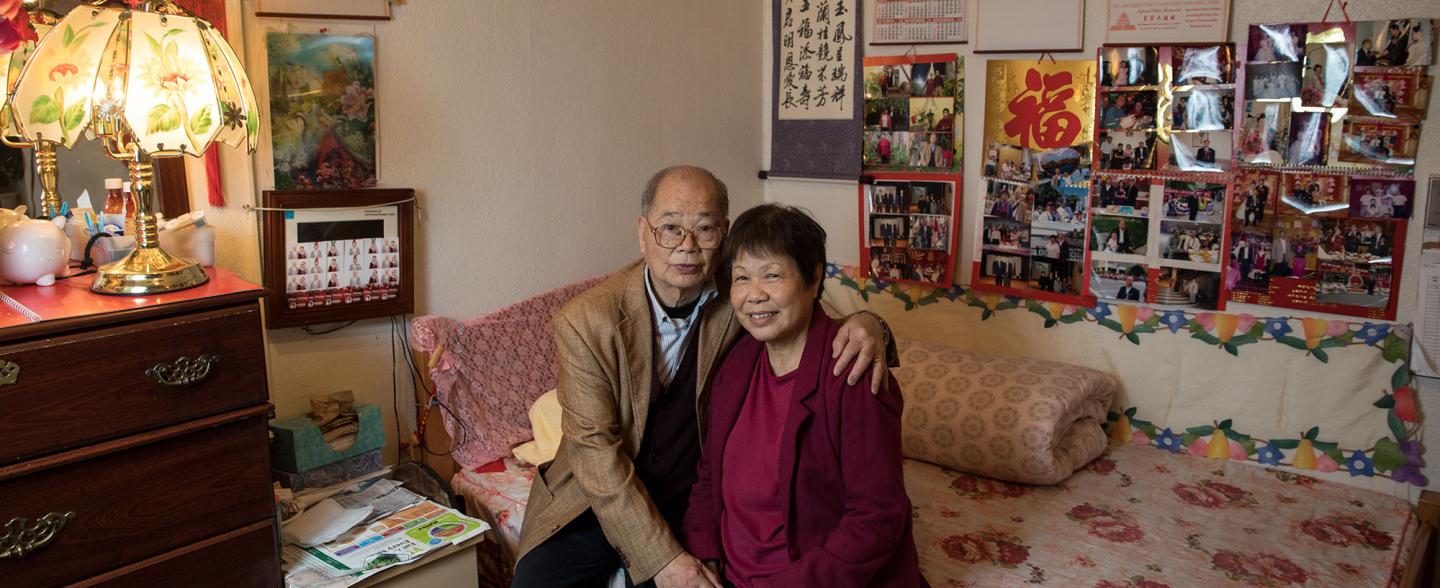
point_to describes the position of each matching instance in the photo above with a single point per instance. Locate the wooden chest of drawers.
(133, 446)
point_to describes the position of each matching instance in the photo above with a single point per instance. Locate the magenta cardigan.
(848, 518)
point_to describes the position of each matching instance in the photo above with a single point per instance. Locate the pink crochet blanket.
(491, 369)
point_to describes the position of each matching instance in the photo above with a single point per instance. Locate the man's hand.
(861, 340)
(686, 572)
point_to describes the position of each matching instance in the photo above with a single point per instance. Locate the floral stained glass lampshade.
(168, 78)
(41, 21)
(152, 81)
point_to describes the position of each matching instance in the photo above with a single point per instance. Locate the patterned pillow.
(1009, 418)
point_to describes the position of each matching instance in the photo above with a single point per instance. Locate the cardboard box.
(331, 474)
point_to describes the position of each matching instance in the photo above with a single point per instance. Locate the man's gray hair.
(717, 187)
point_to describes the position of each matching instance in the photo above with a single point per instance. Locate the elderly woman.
(799, 479)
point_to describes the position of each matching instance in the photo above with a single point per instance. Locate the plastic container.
(193, 242)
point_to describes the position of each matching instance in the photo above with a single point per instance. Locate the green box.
(298, 445)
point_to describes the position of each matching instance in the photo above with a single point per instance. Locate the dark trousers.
(578, 556)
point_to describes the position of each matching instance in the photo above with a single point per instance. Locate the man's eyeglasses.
(670, 235)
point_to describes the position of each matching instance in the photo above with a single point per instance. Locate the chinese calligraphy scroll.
(817, 96)
(1038, 122)
(817, 50)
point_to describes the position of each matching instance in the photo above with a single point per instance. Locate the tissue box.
(331, 474)
(298, 445)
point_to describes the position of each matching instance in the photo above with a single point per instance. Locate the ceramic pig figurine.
(8, 216)
(33, 251)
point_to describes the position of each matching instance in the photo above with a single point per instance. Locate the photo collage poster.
(1036, 179)
(1327, 153)
(910, 229)
(341, 257)
(1164, 122)
(914, 113)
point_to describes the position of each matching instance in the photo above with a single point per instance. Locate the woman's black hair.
(774, 229)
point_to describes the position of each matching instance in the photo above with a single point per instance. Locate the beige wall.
(527, 129)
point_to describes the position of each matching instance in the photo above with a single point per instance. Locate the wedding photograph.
(1404, 42)
(1309, 138)
(1277, 42)
(1263, 136)
(1129, 66)
(1203, 109)
(1272, 81)
(1326, 80)
(1212, 65)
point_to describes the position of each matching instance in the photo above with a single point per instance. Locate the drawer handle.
(9, 372)
(184, 371)
(22, 537)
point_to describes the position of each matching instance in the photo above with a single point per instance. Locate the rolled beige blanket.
(1008, 418)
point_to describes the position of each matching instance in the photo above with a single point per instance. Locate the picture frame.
(337, 255)
(1011, 26)
(327, 9)
(909, 228)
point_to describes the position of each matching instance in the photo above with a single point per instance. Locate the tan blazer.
(605, 342)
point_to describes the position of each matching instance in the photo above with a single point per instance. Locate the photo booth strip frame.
(282, 205)
(1165, 87)
(867, 213)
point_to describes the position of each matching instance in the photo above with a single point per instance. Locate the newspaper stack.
(400, 528)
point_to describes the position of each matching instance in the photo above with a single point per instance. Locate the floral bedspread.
(1141, 518)
(1135, 518)
(499, 498)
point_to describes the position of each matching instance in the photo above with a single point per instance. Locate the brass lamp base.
(148, 270)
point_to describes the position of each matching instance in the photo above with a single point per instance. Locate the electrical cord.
(308, 330)
(434, 399)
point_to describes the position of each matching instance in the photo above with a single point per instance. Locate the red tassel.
(212, 175)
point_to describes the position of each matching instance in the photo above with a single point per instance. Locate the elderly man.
(635, 356)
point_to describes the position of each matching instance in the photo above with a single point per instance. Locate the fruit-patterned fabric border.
(1330, 397)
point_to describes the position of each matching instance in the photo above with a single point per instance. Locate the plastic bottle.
(113, 212)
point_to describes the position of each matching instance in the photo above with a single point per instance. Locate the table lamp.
(44, 152)
(149, 81)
